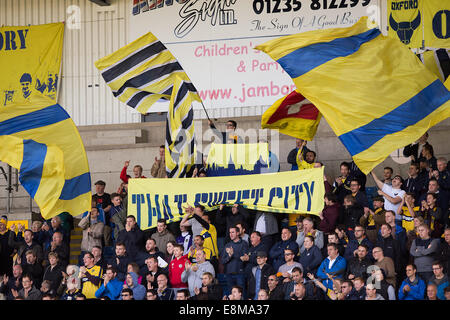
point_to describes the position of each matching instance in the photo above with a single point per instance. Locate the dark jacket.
(310, 259)
(34, 294)
(122, 266)
(11, 284)
(133, 240)
(277, 293)
(154, 283)
(354, 244)
(358, 268)
(413, 150)
(292, 157)
(226, 219)
(144, 255)
(266, 271)
(36, 270)
(392, 249)
(252, 251)
(6, 251)
(234, 264)
(63, 254)
(350, 216)
(444, 255)
(415, 185)
(311, 292)
(18, 243)
(54, 275)
(276, 253)
(330, 218)
(353, 295)
(214, 292)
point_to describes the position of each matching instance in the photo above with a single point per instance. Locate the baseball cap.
(261, 254)
(100, 182)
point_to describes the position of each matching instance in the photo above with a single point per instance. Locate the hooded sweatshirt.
(138, 289)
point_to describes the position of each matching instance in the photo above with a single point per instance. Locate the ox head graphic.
(405, 29)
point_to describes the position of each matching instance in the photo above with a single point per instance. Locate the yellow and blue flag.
(41, 169)
(51, 125)
(372, 90)
(142, 72)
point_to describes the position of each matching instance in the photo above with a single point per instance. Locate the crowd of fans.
(393, 245)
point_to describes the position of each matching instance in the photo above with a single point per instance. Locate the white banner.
(214, 40)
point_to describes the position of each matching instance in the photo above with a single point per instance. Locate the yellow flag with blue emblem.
(41, 169)
(373, 91)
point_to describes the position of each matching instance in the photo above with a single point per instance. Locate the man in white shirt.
(392, 195)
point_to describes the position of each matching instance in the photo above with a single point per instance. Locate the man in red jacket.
(176, 268)
(137, 171)
(330, 213)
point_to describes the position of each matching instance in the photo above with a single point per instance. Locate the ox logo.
(405, 29)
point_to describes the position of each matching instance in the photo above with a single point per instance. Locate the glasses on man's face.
(437, 268)
(271, 279)
(288, 254)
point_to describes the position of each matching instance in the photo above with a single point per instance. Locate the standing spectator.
(169, 248)
(185, 238)
(231, 259)
(351, 213)
(259, 275)
(387, 175)
(256, 246)
(334, 265)
(442, 175)
(428, 157)
(330, 214)
(360, 196)
(360, 238)
(91, 276)
(162, 236)
(414, 150)
(199, 245)
(359, 264)
(29, 290)
(386, 264)
(102, 198)
(242, 234)
(151, 250)
(275, 288)
(189, 221)
(408, 211)
(392, 248)
(311, 257)
(276, 253)
(372, 220)
(341, 185)
(133, 284)
(54, 271)
(49, 230)
(415, 183)
(92, 231)
(116, 207)
(137, 172)
(229, 217)
(441, 197)
(432, 214)
(286, 269)
(424, 250)
(266, 224)
(300, 145)
(6, 261)
(98, 257)
(132, 236)
(209, 290)
(398, 232)
(209, 234)
(385, 289)
(33, 268)
(444, 251)
(111, 287)
(38, 233)
(308, 229)
(24, 243)
(393, 195)
(159, 166)
(412, 288)
(59, 247)
(440, 279)
(120, 261)
(164, 292)
(151, 273)
(176, 268)
(12, 283)
(192, 274)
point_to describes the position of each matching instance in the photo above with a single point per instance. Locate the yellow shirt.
(88, 288)
(193, 256)
(407, 219)
(210, 237)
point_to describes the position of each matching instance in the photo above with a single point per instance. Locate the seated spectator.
(92, 231)
(198, 244)
(308, 229)
(341, 185)
(152, 272)
(170, 254)
(359, 264)
(311, 257)
(91, 276)
(386, 264)
(11, 283)
(276, 253)
(24, 243)
(132, 283)
(372, 220)
(133, 267)
(176, 268)
(348, 291)
(120, 261)
(360, 238)
(71, 283)
(183, 294)
(342, 235)
(38, 233)
(53, 272)
(49, 230)
(432, 214)
(111, 286)
(237, 293)
(398, 232)
(263, 294)
(242, 232)
(132, 237)
(256, 245)
(334, 238)
(431, 292)
(193, 272)
(444, 251)
(285, 270)
(441, 197)
(46, 287)
(392, 248)
(333, 293)
(164, 292)
(259, 275)
(209, 290)
(33, 268)
(371, 293)
(415, 184)
(299, 292)
(408, 211)
(440, 279)
(428, 155)
(97, 252)
(276, 291)
(385, 289)
(151, 294)
(158, 169)
(330, 214)
(151, 250)
(447, 293)
(28, 291)
(413, 287)
(162, 236)
(387, 175)
(360, 288)
(126, 294)
(297, 278)
(423, 249)
(332, 266)
(185, 238)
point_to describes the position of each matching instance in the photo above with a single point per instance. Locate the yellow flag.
(405, 20)
(437, 23)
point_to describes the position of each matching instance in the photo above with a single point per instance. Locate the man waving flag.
(372, 90)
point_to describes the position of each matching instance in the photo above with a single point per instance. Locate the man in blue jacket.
(334, 265)
(276, 253)
(231, 259)
(111, 287)
(412, 288)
